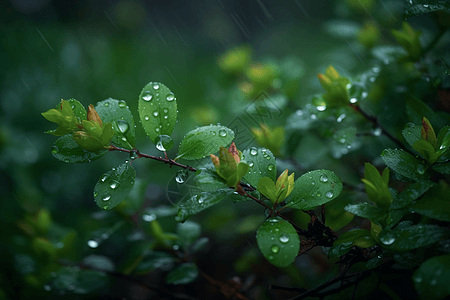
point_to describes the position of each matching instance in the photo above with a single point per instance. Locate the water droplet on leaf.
(122, 104)
(222, 133)
(92, 244)
(181, 176)
(163, 142)
(284, 238)
(275, 249)
(122, 125)
(323, 178)
(170, 97)
(147, 96)
(106, 198)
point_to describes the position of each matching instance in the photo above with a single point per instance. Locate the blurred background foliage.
(219, 58)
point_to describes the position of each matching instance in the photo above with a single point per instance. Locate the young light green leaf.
(426, 150)
(365, 210)
(262, 164)
(200, 202)
(78, 109)
(157, 110)
(119, 115)
(204, 141)
(313, 189)
(278, 241)
(404, 238)
(431, 279)
(67, 150)
(183, 274)
(267, 188)
(114, 186)
(404, 164)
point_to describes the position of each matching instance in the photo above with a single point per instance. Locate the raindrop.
(275, 249)
(321, 107)
(114, 185)
(55, 150)
(104, 178)
(253, 151)
(353, 100)
(106, 198)
(107, 104)
(163, 142)
(270, 167)
(313, 116)
(123, 126)
(250, 163)
(146, 118)
(149, 218)
(377, 131)
(165, 110)
(157, 129)
(313, 183)
(270, 257)
(122, 104)
(147, 96)
(175, 247)
(387, 239)
(329, 194)
(418, 279)
(170, 97)
(95, 194)
(165, 118)
(181, 176)
(284, 238)
(133, 155)
(340, 118)
(200, 200)
(420, 169)
(66, 161)
(323, 178)
(156, 86)
(426, 5)
(222, 133)
(155, 113)
(92, 243)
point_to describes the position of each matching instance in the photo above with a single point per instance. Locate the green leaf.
(442, 168)
(388, 53)
(155, 260)
(204, 141)
(77, 281)
(426, 150)
(431, 279)
(404, 164)
(114, 186)
(336, 216)
(420, 7)
(313, 189)
(67, 150)
(200, 202)
(358, 237)
(433, 207)
(412, 133)
(268, 189)
(416, 110)
(262, 164)
(443, 139)
(409, 260)
(78, 109)
(339, 250)
(198, 245)
(365, 210)
(411, 193)
(133, 202)
(405, 238)
(374, 262)
(183, 274)
(278, 241)
(208, 180)
(188, 232)
(157, 110)
(119, 115)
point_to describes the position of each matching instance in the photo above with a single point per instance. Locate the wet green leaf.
(208, 180)
(404, 164)
(155, 260)
(420, 7)
(411, 133)
(114, 186)
(119, 115)
(431, 279)
(411, 193)
(278, 241)
(157, 110)
(188, 232)
(204, 141)
(67, 150)
(313, 189)
(262, 164)
(365, 210)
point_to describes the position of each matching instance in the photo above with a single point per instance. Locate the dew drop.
(418, 279)
(147, 96)
(387, 239)
(250, 163)
(253, 151)
(123, 126)
(181, 176)
(104, 178)
(92, 244)
(66, 161)
(155, 113)
(157, 129)
(284, 238)
(329, 194)
(222, 133)
(274, 248)
(55, 150)
(165, 118)
(163, 142)
(165, 110)
(420, 169)
(122, 104)
(149, 217)
(106, 104)
(156, 86)
(270, 167)
(146, 118)
(323, 178)
(114, 185)
(106, 198)
(170, 97)
(270, 257)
